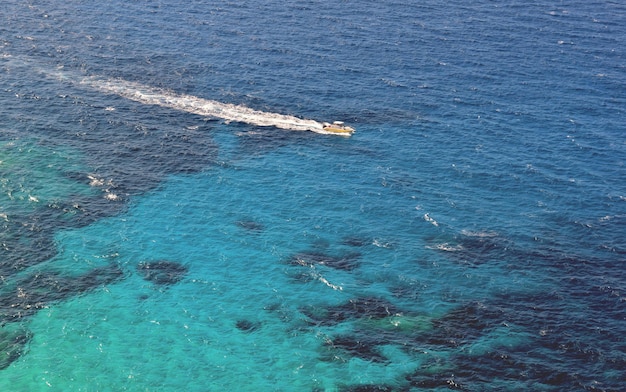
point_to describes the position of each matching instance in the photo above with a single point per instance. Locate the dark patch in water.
(574, 344)
(25, 243)
(358, 308)
(162, 272)
(310, 259)
(469, 374)
(250, 225)
(12, 345)
(406, 290)
(137, 156)
(439, 381)
(247, 325)
(357, 346)
(356, 242)
(36, 291)
(572, 331)
(127, 158)
(130, 158)
(464, 324)
(367, 388)
(556, 332)
(474, 248)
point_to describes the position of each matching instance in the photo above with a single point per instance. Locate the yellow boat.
(338, 128)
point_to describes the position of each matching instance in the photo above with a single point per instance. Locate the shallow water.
(469, 235)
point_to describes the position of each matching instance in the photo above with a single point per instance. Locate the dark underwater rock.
(247, 325)
(358, 308)
(250, 225)
(162, 272)
(367, 388)
(37, 290)
(356, 241)
(310, 259)
(437, 382)
(363, 347)
(26, 242)
(461, 325)
(12, 345)
(469, 373)
(556, 335)
(370, 307)
(474, 248)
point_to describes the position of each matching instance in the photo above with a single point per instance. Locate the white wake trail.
(196, 105)
(162, 97)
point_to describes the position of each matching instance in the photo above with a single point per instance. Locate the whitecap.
(427, 218)
(380, 244)
(480, 234)
(94, 181)
(446, 247)
(111, 196)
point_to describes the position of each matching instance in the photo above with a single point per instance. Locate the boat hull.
(338, 129)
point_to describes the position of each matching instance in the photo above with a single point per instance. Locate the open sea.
(174, 218)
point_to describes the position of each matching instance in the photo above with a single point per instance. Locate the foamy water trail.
(196, 105)
(162, 97)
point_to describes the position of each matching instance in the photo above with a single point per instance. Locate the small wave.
(446, 247)
(111, 196)
(479, 234)
(327, 283)
(382, 244)
(427, 218)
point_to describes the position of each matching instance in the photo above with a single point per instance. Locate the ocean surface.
(173, 218)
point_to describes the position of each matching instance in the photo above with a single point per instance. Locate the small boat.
(339, 128)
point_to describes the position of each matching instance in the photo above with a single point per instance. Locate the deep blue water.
(471, 234)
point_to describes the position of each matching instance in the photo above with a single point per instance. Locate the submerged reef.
(473, 248)
(359, 346)
(87, 172)
(368, 388)
(162, 272)
(12, 345)
(369, 312)
(357, 308)
(464, 324)
(27, 295)
(247, 325)
(250, 225)
(507, 337)
(356, 242)
(310, 259)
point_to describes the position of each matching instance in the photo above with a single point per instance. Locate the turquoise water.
(469, 235)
